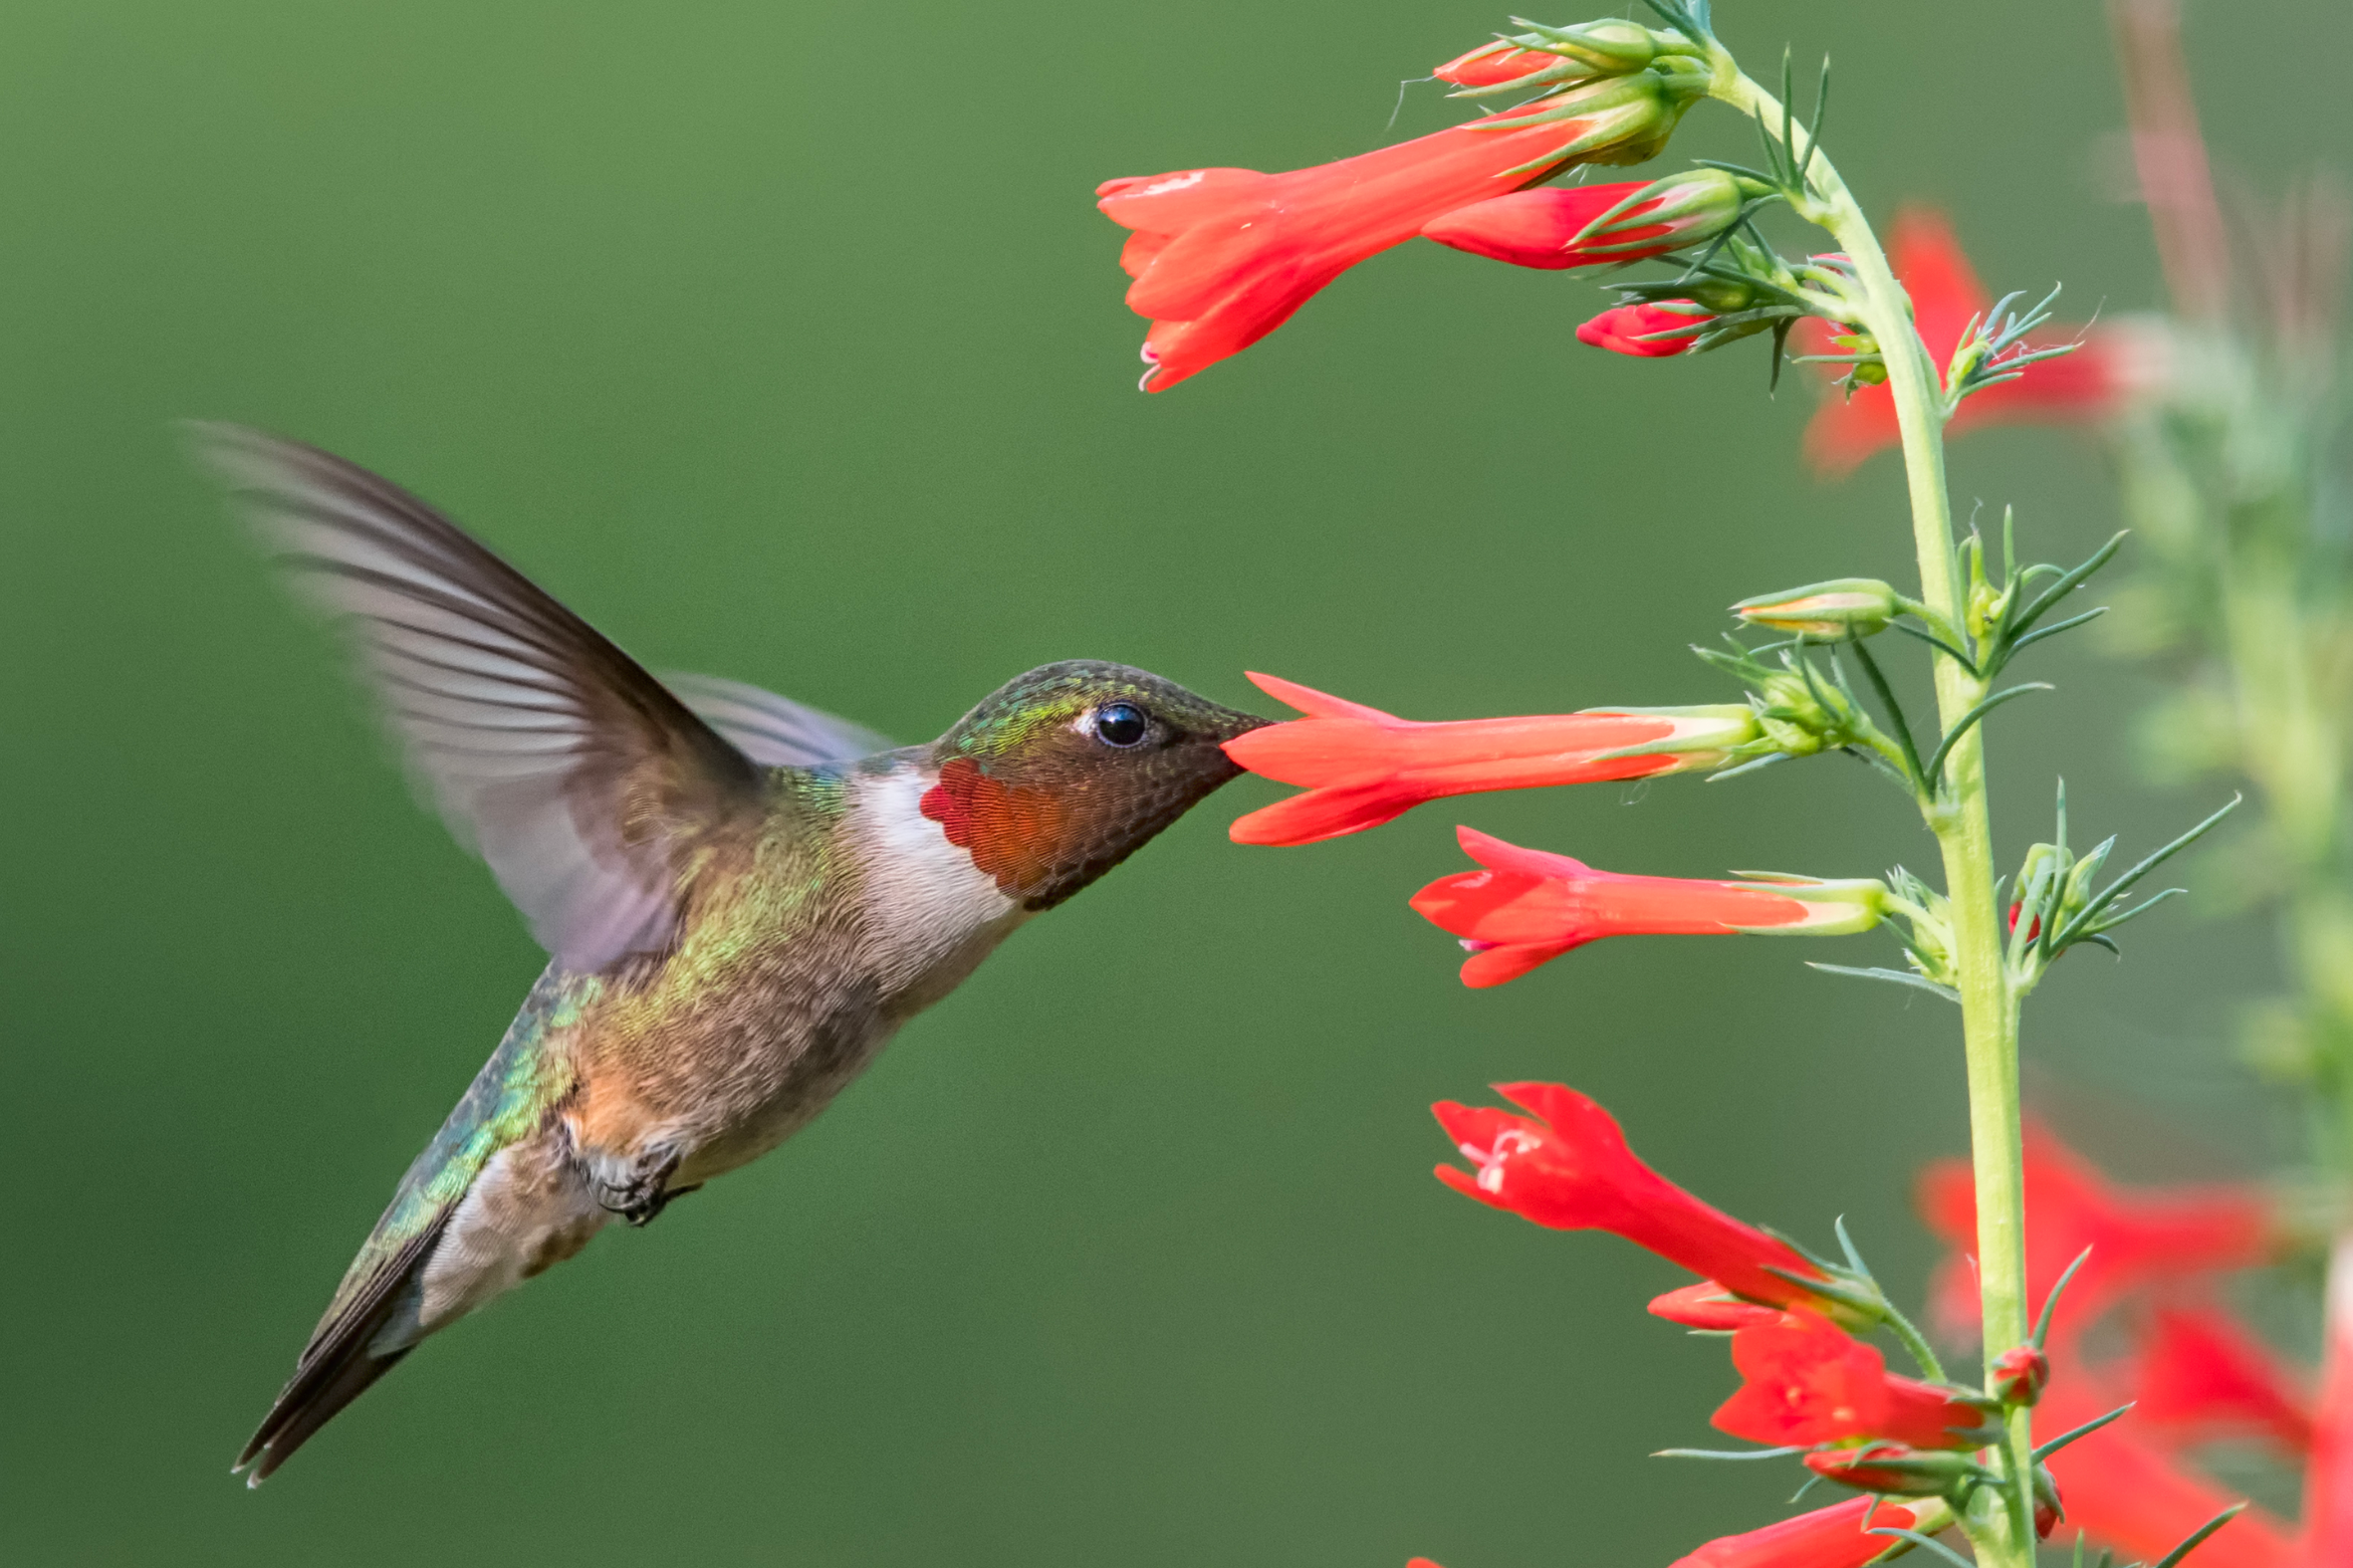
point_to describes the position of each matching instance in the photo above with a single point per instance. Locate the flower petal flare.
(1363, 767)
(1807, 1382)
(1527, 907)
(1567, 1166)
(1221, 257)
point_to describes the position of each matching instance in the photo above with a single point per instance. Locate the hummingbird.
(742, 898)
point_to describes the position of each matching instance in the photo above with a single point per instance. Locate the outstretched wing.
(774, 731)
(593, 792)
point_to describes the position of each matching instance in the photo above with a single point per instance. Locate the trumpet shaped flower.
(1527, 907)
(1838, 1536)
(2200, 1372)
(1807, 1382)
(1552, 228)
(1567, 1166)
(1363, 767)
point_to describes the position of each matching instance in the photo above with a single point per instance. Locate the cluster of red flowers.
(2151, 1261)
(1808, 1383)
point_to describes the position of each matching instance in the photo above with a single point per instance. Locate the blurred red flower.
(1568, 1167)
(1365, 767)
(1529, 907)
(1946, 294)
(1807, 1382)
(2128, 1493)
(2197, 1373)
(2135, 1237)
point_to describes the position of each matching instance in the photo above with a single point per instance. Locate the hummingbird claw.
(644, 1195)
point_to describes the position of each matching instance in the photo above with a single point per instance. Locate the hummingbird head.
(1065, 772)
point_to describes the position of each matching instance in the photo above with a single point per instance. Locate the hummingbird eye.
(1121, 724)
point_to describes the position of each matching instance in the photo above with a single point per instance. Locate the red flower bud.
(2019, 1374)
(1708, 1306)
(1491, 64)
(1838, 1536)
(1808, 1383)
(1365, 767)
(1636, 328)
(1569, 1166)
(1892, 1469)
(1529, 907)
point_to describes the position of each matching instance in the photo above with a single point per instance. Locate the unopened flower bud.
(1844, 606)
(2019, 1374)
(1613, 119)
(2048, 1510)
(1894, 1468)
(1611, 48)
(1647, 331)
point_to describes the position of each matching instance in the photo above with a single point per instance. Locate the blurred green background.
(782, 342)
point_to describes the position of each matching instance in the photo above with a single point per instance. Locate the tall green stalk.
(2004, 1535)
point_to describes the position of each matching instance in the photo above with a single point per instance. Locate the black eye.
(1121, 724)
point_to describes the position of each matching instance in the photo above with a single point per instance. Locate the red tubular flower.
(1365, 767)
(1568, 1167)
(1223, 257)
(1892, 1469)
(1833, 1537)
(2328, 1475)
(2200, 1373)
(2134, 1237)
(2127, 1493)
(1807, 1382)
(1635, 329)
(1528, 907)
(1710, 1306)
(1946, 294)
(1491, 65)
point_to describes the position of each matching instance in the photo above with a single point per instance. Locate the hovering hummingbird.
(742, 898)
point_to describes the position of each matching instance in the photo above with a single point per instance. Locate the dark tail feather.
(309, 1401)
(340, 1362)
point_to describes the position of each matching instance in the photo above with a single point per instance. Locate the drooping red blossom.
(1708, 1306)
(1365, 767)
(1529, 907)
(1946, 294)
(1834, 1538)
(2128, 1493)
(2200, 1372)
(1636, 328)
(2136, 1235)
(1221, 257)
(1568, 1167)
(1807, 1382)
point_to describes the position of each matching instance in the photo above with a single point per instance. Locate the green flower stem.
(2004, 1534)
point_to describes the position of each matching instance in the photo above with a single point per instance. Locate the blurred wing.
(592, 791)
(773, 731)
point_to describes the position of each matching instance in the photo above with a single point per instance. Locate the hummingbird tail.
(344, 1356)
